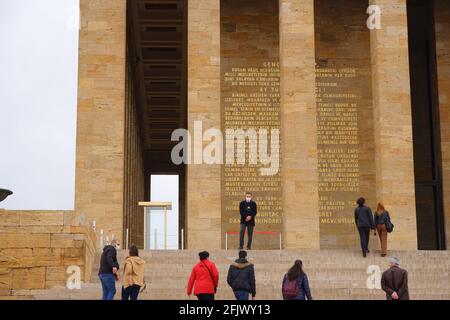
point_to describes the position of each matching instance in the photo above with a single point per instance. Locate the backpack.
(290, 288)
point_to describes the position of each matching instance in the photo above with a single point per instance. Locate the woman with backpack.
(383, 226)
(204, 278)
(295, 283)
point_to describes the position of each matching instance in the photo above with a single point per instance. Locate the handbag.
(211, 275)
(389, 224)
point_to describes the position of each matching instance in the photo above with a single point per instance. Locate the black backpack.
(389, 224)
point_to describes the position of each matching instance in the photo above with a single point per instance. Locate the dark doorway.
(426, 131)
(157, 57)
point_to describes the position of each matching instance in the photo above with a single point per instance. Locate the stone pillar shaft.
(393, 122)
(298, 123)
(100, 114)
(203, 181)
(442, 18)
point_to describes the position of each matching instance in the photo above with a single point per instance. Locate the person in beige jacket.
(133, 275)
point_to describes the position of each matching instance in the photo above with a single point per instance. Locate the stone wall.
(203, 181)
(101, 112)
(442, 20)
(394, 161)
(298, 125)
(250, 101)
(345, 118)
(38, 246)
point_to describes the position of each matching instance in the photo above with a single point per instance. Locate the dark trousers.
(204, 296)
(242, 233)
(131, 292)
(364, 234)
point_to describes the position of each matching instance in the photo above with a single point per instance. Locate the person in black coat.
(248, 211)
(241, 278)
(108, 270)
(364, 223)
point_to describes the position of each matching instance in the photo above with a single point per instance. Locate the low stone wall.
(37, 247)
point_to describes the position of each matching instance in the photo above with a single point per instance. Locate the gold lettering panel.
(346, 159)
(250, 100)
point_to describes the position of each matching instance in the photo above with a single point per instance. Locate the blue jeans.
(241, 295)
(108, 285)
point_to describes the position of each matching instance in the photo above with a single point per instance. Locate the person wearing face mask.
(108, 272)
(248, 211)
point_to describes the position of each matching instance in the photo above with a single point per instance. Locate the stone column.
(393, 122)
(100, 114)
(203, 181)
(442, 12)
(298, 122)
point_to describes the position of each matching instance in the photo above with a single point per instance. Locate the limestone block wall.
(442, 20)
(249, 42)
(37, 247)
(343, 69)
(203, 213)
(298, 125)
(394, 162)
(101, 112)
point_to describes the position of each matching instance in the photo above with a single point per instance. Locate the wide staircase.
(341, 275)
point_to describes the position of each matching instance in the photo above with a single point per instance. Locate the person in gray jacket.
(364, 223)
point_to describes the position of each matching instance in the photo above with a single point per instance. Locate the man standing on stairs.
(394, 281)
(241, 278)
(108, 270)
(364, 222)
(248, 211)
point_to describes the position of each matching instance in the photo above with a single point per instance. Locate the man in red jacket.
(204, 278)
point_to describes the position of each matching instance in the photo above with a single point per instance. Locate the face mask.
(117, 246)
(248, 199)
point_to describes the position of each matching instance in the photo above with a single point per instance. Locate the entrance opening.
(157, 105)
(162, 231)
(426, 131)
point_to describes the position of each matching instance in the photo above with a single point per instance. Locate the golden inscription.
(251, 100)
(338, 145)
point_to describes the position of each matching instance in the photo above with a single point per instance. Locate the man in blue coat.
(364, 223)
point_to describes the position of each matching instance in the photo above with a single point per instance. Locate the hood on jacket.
(137, 264)
(135, 260)
(241, 263)
(108, 247)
